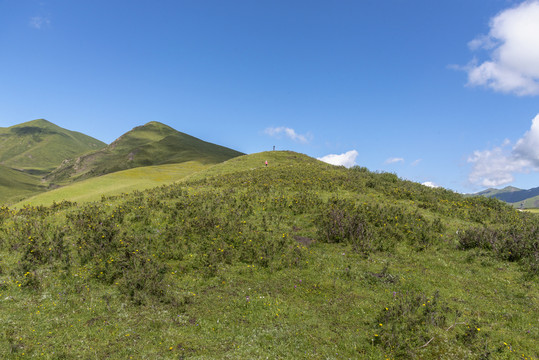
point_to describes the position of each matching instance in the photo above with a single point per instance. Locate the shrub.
(510, 243)
(403, 327)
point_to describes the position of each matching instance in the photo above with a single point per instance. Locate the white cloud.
(394, 160)
(416, 162)
(38, 22)
(527, 147)
(513, 45)
(348, 159)
(430, 184)
(288, 132)
(496, 167)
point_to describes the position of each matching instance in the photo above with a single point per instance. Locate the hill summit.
(39, 146)
(151, 144)
(298, 259)
(521, 198)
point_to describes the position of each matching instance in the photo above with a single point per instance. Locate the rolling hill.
(16, 185)
(297, 260)
(525, 199)
(38, 156)
(93, 189)
(150, 144)
(39, 146)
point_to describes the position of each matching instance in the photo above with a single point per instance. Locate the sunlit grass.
(300, 260)
(116, 183)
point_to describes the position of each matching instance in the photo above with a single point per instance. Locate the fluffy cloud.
(348, 159)
(496, 167)
(527, 148)
(288, 132)
(513, 46)
(394, 160)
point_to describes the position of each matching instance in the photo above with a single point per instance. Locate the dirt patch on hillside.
(304, 240)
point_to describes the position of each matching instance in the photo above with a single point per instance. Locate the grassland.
(39, 146)
(16, 185)
(126, 181)
(37, 156)
(151, 144)
(299, 260)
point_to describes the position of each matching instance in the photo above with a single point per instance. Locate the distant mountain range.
(519, 198)
(38, 155)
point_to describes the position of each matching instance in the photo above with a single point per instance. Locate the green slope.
(519, 198)
(491, 192)
(253, 162)
(39, 146)
(531, 202)
(150, 144)
(116, 183)
(16, 185)
(297, 260)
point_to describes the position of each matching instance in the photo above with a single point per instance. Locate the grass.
(39, 146)
(126, 181)
(60, 157)
(299, 260)
(16, 185)
(147, 145)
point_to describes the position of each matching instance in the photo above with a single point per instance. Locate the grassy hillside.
(39, 146)
(526, 199)
(299, 260)
(151, 144)
(116, 183)
(16, 185)
(528, 203)
(491, 192)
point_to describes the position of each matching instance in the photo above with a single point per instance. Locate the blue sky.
(439, 92)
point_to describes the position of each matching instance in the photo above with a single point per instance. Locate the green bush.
(409, 322)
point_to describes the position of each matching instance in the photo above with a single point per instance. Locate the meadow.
(140, 178)
(297, 260)
(16, 185)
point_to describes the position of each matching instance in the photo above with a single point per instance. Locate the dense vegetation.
(299, 259)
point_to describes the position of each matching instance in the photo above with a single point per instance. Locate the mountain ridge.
(150, 144)
(522, 198)
(38, 155)
(39, 146)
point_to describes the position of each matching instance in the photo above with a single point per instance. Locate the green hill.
(150, 144)
(16, 185)
(117, 183)
(520, 198)
(296, 260)
(39, 146)
(492, 192)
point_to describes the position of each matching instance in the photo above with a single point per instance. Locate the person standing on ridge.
(266, 163)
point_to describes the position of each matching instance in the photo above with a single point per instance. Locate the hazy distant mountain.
(38, 146)
(150, 144)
